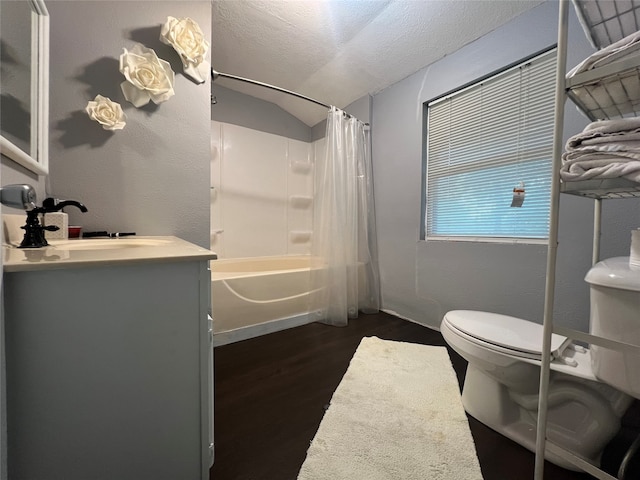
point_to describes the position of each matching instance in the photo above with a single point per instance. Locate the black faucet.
(52, 205)
(34, 232)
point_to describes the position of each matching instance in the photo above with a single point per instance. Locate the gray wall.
(423, 280)
(251, 112)
(153, 176)
(361, 109)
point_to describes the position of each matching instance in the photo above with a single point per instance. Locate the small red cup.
(74, 232)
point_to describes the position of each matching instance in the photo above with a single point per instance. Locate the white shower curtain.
(344, 233)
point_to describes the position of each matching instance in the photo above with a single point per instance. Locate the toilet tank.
(615, 314)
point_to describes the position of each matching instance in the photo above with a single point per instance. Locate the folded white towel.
(598, 165)
(595, 152)
(626, 140)
(613, 126)
(628, 46)
(608, 130)
(630, 149)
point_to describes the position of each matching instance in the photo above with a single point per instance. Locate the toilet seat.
(493, 332)
(504, 334)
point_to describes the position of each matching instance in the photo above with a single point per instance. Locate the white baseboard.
(252, 331)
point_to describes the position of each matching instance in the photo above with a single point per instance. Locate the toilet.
(615, 314)
(504, 362)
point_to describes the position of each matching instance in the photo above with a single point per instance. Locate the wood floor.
(271, 393)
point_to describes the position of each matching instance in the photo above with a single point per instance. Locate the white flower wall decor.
(187, 39)
(106, 112)
(149, 78)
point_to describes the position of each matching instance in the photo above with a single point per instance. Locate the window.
(485, 140)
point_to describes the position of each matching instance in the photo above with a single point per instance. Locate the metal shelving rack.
(604, 23)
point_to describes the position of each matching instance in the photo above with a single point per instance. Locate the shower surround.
(262, 190)
(261, 209)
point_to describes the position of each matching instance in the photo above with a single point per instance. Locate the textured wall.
(153, 176)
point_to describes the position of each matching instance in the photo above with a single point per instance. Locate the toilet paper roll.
(634, 254)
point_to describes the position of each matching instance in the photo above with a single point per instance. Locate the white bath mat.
(396, 415)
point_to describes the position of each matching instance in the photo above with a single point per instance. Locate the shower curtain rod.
(215, 74)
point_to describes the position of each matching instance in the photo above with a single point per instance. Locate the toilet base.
(579, 418)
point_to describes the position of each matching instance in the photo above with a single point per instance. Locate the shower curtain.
(344, 232)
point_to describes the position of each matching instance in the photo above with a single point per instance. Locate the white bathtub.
(256, 296)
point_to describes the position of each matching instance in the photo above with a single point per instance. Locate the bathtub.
(259, 295)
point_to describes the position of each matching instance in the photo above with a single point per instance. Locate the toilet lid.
(511, 333)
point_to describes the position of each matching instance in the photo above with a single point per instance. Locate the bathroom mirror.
(24, 69)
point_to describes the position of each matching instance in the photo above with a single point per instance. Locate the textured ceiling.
(337, 51)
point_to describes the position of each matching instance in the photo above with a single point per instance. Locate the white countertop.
(78, 253)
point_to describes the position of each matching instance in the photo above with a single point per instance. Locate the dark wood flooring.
(271, 393)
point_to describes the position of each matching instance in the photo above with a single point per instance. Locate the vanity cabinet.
(109, 369)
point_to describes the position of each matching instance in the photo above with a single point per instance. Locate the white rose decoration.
(185, 36)
(148, 77)
(107, 113)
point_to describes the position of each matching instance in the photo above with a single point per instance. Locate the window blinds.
(482, 142)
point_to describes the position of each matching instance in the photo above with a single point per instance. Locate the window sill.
(506, 241)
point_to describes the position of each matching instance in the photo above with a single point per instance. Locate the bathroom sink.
(107, 243)
(93, 252)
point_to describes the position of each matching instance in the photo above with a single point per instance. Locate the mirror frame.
(38, 160)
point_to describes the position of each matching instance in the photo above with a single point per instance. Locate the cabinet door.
(104, 372)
